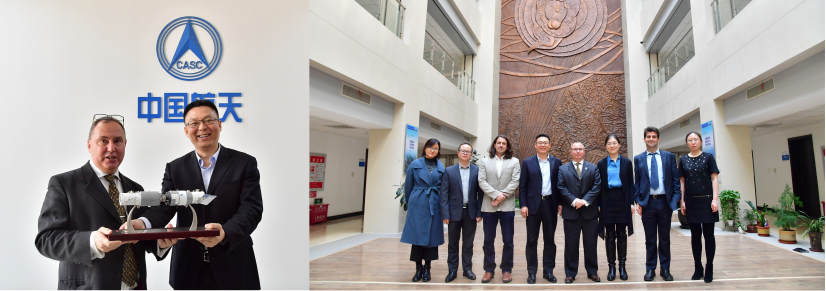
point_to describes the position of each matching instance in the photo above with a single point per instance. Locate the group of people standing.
(593, 201)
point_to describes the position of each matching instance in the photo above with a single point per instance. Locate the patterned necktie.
(654, 179)
(130, 265)
(578, 171)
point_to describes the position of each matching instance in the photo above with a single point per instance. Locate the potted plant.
(760, 218)
(741, 228)
(730, 203)
(787, 217)
(750, 218)
(815, 231)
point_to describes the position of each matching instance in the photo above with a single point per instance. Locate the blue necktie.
(654, 178)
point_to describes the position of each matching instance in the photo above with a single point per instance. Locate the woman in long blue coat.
(423, 226)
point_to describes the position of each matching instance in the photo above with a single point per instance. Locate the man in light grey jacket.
(498, 178)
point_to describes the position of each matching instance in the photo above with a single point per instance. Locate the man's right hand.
(102, 241)
(524, 212)
(639, 210)
(166, 242)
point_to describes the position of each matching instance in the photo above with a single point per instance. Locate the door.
(804, 177)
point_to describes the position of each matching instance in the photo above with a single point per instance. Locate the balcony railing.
(725, 10)
(451, 69)
(389, 12)
(672, 64)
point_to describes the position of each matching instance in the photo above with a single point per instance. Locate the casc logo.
(188, 60)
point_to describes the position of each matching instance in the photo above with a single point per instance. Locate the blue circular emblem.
(197, 64)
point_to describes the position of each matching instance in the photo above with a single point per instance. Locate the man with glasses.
(460, 200)
(226, 261)
(539, 203)
(579, 186)
(80, 210)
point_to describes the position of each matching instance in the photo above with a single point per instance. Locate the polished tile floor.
(382, 263)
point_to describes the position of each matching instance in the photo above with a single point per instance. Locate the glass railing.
(671, 65)
(389, 12)
(725, 10)
(444, 64)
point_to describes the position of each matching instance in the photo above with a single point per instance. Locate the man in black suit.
(460, 198)
(539, 206)
(79, 212)
(226, 261)
(579, 184)
(657, 184)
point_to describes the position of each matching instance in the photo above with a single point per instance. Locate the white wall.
(64, 61)
(327, 102)
(771, 172)
(343, 178)
(674, 136)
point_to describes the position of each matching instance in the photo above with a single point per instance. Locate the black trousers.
(656, 220)
(489, 222)
(704, 230)
(206, 280)
(588, 229)
(546, 218)
(467, 229)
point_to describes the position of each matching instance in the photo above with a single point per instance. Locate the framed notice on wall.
(318, 163)
(708, 138)
(411, 138)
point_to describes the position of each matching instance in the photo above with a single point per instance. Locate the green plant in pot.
(750, 218)
(815, 231)
(730, 204)
(760, 217)
(787, 217)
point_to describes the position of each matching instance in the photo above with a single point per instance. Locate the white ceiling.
(802, 118)
(322, 125)
(439, 35)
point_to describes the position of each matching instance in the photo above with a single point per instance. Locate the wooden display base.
(160, 233)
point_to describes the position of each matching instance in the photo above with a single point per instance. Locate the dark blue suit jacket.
(671, 179)
(530, 184)
(451, 198)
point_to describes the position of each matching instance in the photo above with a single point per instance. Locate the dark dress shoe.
(418, 276)
(709, 276)
(487, 277)
(450, 277)
(426, 274)
(531, 278)
(569, 280)
(469, 274)
(649, 275)
(594, 277)
(666, 275)
(550, 277)
(612, 272)
(506, 277)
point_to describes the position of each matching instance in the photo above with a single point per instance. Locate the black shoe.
(550, 277)
(569, 280)
(698, 271)
(450, 277)
(649, 275)
(709, 276)
(623, 274)
(612, 272)
(666, 275)
(469, 274)
(418, 276)
(531, 278)
(426, 274)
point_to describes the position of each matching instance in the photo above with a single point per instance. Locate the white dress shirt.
(545, 168)
(658, 156)
(500, 164)
(206, 172)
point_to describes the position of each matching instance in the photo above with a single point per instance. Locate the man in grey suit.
(80, 210)
(498, 178)
(579, 184)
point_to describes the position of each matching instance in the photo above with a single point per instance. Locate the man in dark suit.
(579, 186)
(226, 261)
(657, 185)
(460, 198)
(79, 212)
(539, 206)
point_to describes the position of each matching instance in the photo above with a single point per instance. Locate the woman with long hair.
(423, 227)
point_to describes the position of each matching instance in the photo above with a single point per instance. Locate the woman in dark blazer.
(423, 225)
(616, 204)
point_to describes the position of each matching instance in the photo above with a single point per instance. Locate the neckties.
(578, 171)
(130, 266)
(654, 178)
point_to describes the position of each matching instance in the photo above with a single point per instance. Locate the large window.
(672, 56)
(725, 11)
(388, 12)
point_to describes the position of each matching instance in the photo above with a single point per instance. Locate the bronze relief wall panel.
(561, 73)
